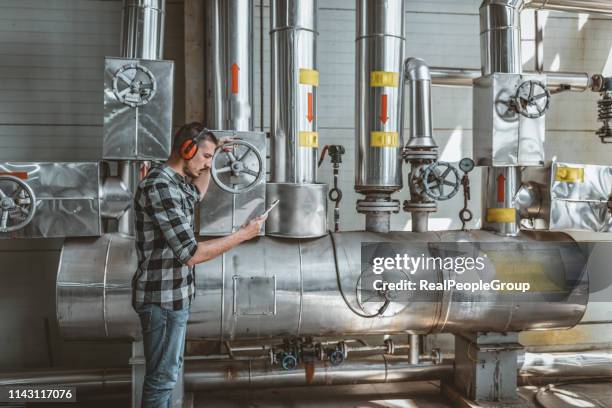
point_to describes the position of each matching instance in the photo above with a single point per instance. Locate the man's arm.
(211, 249)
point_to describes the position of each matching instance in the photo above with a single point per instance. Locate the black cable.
(358, 313)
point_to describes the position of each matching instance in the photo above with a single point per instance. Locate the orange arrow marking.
(235, 70)
(383, 110)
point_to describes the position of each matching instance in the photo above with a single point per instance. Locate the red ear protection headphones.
(189, 148)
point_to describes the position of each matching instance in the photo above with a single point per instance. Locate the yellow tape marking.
(570, 174)
(384, 139)
(505, 215)
(309, 139)
(309, 77)
(380, 79)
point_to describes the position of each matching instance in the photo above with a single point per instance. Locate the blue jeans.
(163, 335)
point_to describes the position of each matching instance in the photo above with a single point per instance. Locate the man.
(164, 283)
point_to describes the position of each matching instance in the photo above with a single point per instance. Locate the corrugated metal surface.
(51, 66)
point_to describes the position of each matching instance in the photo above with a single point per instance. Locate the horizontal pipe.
(206, 375)
(260, 374)
(573, 6)
(111, 380)
(445, 76)
(574, 364)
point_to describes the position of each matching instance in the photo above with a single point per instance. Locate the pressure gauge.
(466, 165)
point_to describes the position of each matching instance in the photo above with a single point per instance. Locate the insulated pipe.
(228, 61)
(270, 288)
(421, 128)
(206, 375)
(110, 380)
(142, 37)
(445, 76)
(260, 374)
(295, 79)
(142, 30)
(573, 6)
(379, 95)
(500, 36)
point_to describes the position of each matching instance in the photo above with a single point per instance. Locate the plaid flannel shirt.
(164, 207)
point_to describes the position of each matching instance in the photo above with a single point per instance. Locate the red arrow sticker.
(310, 116)
(501, 188)
(383, 110)
(235, 70)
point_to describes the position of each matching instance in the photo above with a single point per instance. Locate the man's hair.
(193, 130)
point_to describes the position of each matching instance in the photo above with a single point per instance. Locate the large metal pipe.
(228, 61)
(205, 376)
(500, 36)
(295, 79)
(142, 37)
(142, 30)
(571, 81)
(379, 95)
(573, 6)
(575, 364)
(270, 288)
(97, 380)
(421, 127)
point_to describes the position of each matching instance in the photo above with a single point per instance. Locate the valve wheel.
(237, 167)
(532, 99)
(336, 357)
(289, 362)
(17, 204)
(134, 85)
(438, 178)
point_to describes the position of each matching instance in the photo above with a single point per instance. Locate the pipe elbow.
(417, 70)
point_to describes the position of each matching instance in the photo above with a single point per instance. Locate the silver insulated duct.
(228, 58)
(142, 37)
(295, 80)
(142, 30)
(500, 36)
(302, 212)
(378, 113)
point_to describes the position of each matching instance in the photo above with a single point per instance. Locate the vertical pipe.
(500, 36)
(539, 41)
(142, 37)
(228, 58)
(500, 187)
(415, 348)
(379, 100)
(142, 30)
(295, 79)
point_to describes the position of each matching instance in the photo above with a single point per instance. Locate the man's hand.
(252, 228)
(224, 140)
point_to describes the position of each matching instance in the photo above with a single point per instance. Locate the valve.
(336, 357)
(288, 361)
(532, 99)
(134, 85)
(237, 167)
(435, 177)
(466, 165)
(17, 203)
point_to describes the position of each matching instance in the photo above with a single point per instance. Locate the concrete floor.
(398, 395)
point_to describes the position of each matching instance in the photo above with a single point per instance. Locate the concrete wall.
(51, 62)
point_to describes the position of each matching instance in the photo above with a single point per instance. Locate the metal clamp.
(134, 85)
(17, 203)
(233, 172)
